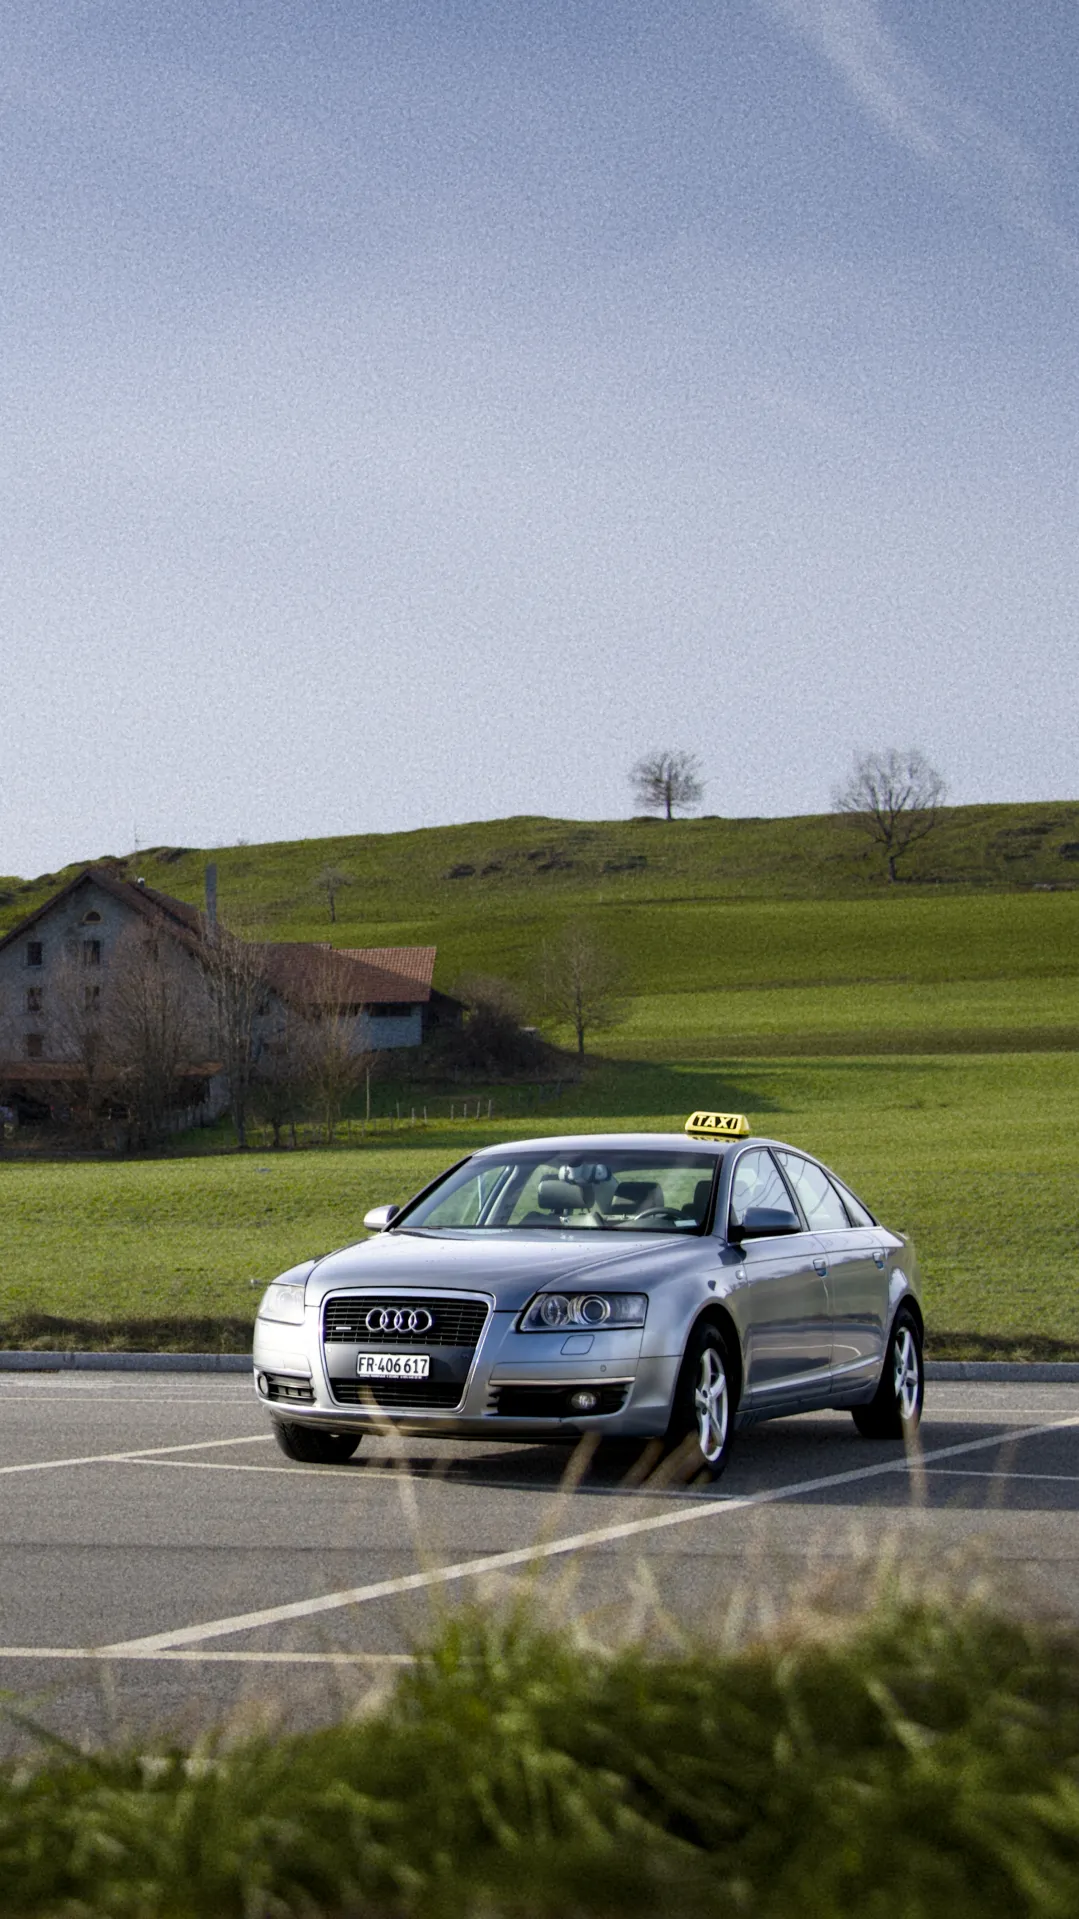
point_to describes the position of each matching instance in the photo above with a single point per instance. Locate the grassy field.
(920, 1037)
(976, 1155)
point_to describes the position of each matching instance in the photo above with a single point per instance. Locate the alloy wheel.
(908, 1376)
(712, 1405)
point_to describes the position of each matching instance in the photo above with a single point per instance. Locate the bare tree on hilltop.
(895, 797)
(667, 782)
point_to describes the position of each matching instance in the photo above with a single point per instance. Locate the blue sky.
(414, 413)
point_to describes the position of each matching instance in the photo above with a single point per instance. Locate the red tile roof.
(414, 963)
(325, 975)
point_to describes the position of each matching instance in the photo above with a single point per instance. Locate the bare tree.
(895, 797)
(156, 1025)
(83, 1034)
(236, 977)
(331, 1061)
(667, 782)
(329, 883)
(280, 1085)
(581, 982)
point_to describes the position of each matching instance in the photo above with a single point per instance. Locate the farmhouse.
(66, 968)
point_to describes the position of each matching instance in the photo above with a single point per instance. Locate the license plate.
(393, 1365)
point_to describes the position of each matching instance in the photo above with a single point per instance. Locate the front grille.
(397, 1395)
(552, 1402)
(457, 1322)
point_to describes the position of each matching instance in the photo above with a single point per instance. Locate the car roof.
(611, 1143)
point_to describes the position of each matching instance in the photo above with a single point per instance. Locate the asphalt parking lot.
(163, 1567)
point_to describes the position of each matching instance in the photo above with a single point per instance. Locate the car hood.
(511, 1265)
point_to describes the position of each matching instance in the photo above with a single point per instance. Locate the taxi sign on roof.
(717, 1125)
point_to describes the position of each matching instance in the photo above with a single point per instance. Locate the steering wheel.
(654, 1212)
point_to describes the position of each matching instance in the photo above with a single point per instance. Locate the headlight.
(284, 1303)
(549, 1312)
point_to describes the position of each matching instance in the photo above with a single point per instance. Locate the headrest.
(563, 1196)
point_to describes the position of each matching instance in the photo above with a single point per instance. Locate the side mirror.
(379, 1217)
(764, 1222)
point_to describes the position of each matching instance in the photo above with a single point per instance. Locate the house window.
(388, 1010)
(92, 918)
(91, 997)
(33, 1045)
(35, 953)
(33, 999)
(91, 952)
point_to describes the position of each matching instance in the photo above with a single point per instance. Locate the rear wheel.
(313, 1447)
(702, 1418)
(896, 1407)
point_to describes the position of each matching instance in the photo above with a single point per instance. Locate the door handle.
(821, 1266)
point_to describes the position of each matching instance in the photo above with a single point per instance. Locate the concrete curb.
(973, 1371)
(32, 1362)
(1035, 1372)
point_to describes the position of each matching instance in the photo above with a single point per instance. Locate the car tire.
(896, 1406)
(311, 1446)
(702, 1417)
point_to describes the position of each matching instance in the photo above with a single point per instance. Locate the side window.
(35, 953)
(757, 1188)
(856, 1212)
(817, 1196)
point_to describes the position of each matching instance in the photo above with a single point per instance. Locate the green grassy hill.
(753, 935)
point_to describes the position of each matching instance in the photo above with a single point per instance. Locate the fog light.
(263, 1384)
(585, 1402)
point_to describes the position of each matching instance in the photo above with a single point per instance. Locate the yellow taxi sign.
(717, 1125)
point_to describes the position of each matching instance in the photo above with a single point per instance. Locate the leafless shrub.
(494, 1040)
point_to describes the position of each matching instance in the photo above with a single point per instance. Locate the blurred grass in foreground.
(923, 1761)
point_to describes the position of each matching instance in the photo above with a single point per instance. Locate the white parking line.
(554, 1548)
(145, 1399)
(123, 1459)
(230, 1466)
(970, 1472)
(216, 1658)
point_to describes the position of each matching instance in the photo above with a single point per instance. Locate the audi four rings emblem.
(386, 1319)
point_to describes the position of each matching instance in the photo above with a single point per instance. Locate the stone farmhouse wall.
(68, 947)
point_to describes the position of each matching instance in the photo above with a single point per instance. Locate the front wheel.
(702, 1418)
(313, 1447)
(896, 1406)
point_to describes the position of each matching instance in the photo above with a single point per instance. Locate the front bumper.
(512, 1385)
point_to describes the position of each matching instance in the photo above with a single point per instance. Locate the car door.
(857, 1269)
(786, 1314)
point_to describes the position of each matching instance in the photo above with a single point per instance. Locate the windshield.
(620, 1191)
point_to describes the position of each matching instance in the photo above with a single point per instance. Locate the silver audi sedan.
(639, 1286)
